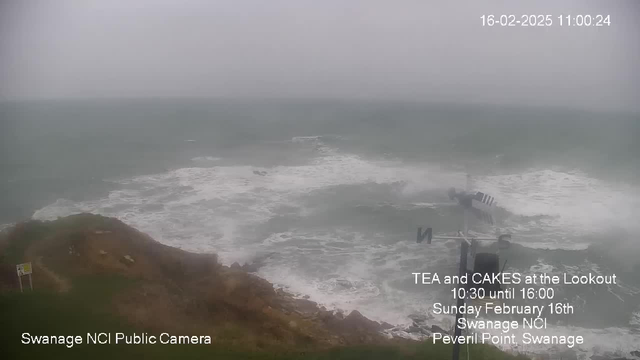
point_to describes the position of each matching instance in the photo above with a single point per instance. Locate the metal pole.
(464, 248)
(462, 271)
(466, 223)
(466, 212)
(20, 281)
(30, 282)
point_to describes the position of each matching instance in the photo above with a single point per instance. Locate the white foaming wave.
(346, 270)
(215, 209)
(326, 171)
(338, 279)
(4, 227)
(340, 169)
(347, 292)
(206, 158)
(618, 290)
(414, 206)
(541, 267)
(554, 245)
(344, 292)
(572, 200)
(211, 209)
(596, 341)
(62, 207)
(315, 138)
(195, 210)
(300, 139)
(635, 319)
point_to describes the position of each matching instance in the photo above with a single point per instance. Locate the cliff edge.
(171, 290)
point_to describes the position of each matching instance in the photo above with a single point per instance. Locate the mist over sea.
(331, 193)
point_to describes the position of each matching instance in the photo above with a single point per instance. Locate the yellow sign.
(24, 269)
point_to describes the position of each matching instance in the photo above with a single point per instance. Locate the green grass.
(83, 310)
(35, 231)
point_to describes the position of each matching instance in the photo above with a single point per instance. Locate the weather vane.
(472, 203)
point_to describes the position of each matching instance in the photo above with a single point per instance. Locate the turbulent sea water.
(331, 194)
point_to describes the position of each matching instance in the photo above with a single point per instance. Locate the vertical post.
(466, 212)
(30, 282)
(462, 271)
(20, 282)
(464, 248)
(466, 223)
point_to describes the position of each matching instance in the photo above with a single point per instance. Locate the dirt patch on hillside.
(61, 283)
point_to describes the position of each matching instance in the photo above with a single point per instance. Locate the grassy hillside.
(84, 284)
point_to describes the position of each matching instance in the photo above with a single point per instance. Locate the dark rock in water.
(306, 306)
(344, 283)
(256, 263)
(418, 319)
(635, 353)
(326, 317)
(358, 321)
(414, 329)
(386, 325)
(236, 266)
(281, 292)
(253, 267)
(261, 173)
(438, 329)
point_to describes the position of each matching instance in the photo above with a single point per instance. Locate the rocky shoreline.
(176, 290)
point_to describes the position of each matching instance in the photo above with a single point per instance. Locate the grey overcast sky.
(413, 50)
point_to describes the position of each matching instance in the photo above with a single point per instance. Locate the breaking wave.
(338, 224)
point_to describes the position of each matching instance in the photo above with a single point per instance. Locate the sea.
(328, 195)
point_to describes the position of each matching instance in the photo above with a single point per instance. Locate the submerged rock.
(418, 318)
(414, 329)
(386, 326)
